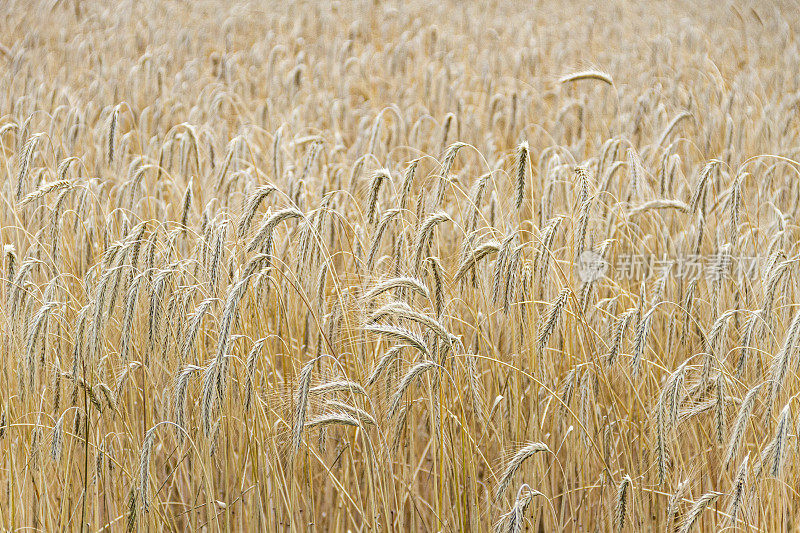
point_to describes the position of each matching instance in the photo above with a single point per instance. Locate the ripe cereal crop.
(399, 266)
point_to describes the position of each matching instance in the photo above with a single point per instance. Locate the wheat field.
(399, 266)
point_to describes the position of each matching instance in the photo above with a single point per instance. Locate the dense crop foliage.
(399, 266)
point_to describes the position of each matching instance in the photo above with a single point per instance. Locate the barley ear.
(620, 511)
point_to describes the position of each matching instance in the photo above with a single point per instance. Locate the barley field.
(399, 266)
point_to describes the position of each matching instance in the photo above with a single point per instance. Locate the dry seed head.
(697, 509)
(58, 438)
(179, 395)
(378, 178)
(522, 163)
(640, 341)
(740, 424)
(476, 198)
(332, 387)
(542, 261)
(408, 181)
(144, 468)
(514, 520)
(780, 363)
(263, 238)
(620, 511)
(424, 235)
(301, 404)
(415, 372)
(400, 335)
(550, 324)
(362, 416)
(250, 364)
(332, 418)
(389, 357)
(387, 217)
(587, 75)
(527, 451)
(675, 501)
(26, 158)
(395, 283)
(737, 494)
(620, 329)
(475, 255)
(402, 310)
(779, 443)
(112, 128)
(447, 165)
(719, 408)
